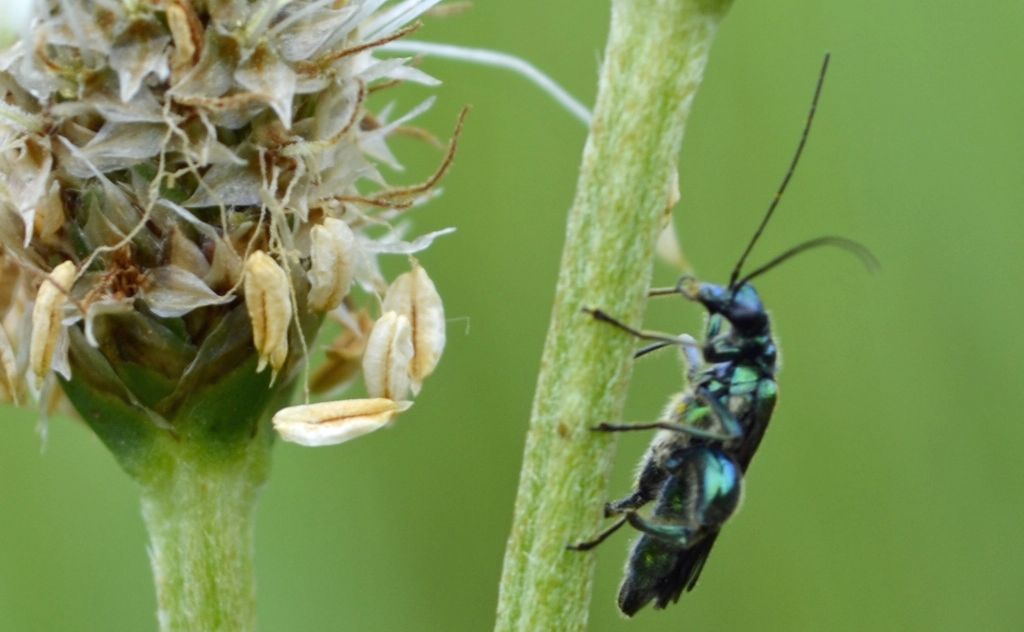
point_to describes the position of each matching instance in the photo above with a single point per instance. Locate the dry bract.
(387, 357)
(330, 423)
(270, 309)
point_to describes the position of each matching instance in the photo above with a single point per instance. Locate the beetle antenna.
(858, 249)
(787, 177)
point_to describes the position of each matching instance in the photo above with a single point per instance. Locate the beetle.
(693, 469)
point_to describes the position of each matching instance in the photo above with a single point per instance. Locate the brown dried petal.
(388, 354)
(414, 295)
(270, 309)
(330, 423)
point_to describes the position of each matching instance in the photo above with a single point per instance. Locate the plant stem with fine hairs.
(199, 512)
(653, 64)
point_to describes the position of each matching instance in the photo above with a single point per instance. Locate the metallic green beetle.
(693, 470)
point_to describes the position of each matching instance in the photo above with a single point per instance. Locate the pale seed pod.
(387, 357)
(333, 264)
(414, 296)
(46, 318)
(270, 309)
(330, 423)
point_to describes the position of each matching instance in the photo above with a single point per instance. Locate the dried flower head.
(187, 188)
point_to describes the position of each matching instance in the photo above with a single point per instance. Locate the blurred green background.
(887, 495)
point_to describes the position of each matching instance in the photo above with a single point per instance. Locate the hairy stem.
(199, 514)
(653, 65)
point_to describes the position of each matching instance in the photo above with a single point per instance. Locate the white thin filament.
(496, 59)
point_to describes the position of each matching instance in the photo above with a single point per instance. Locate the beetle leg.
(674, 534)
(601, 537)
(731, 428)
(630, 503)
(600, 315)
(642, 351)
(660, 337)
(721, 349)
(691, 348)
(693, 431)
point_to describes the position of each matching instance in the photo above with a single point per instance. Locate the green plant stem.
(199, 514)
(653, 65)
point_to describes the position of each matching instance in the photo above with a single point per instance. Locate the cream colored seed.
(414, 295)
(46, 318)
(333, 264)
(330, 423)
(270, 309)
(387, 357)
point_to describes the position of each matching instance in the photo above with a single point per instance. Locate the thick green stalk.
(653, 65)
(199, 514)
